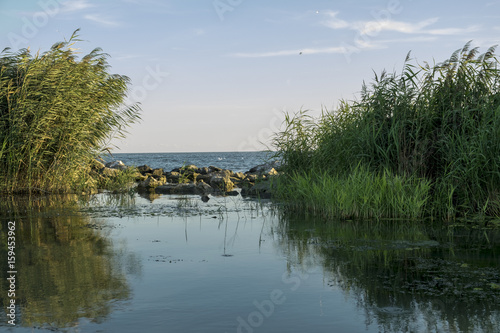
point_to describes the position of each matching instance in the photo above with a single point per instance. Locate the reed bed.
(58, 113)
(361, 194)
(436, 126)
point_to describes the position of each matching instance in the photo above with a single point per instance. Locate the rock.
(221, 183)
(109, 172)
(157, 172)
(173, 176)
(251, 178)
(268, 168)
(239, 175)
(205, 198)
(116, 165)
(236, 181)
(152, 182)
(203, 171)
(204, 178)
(139, 177)
(190, 167)
(214, 169)
(144, 169)
(182, 169)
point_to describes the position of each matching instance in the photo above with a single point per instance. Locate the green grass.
(58, 112)
(361, 194)
(436, 125)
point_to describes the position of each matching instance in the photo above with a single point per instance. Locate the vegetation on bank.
(58, 113)
(423, 143)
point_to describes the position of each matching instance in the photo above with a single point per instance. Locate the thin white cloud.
(101, 19)
(334, 22)
(453, 31)
(374, 27)
(75, 5)
(371, 27)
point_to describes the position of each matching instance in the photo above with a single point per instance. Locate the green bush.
(57, 114)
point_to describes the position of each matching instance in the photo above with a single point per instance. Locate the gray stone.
(116, 165)
(268, 168)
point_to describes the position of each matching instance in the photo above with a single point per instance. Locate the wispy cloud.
(75, 5)
(98, 18)
(372, 27)
(453, 31)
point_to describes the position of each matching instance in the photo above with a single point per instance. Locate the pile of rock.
(191, 179)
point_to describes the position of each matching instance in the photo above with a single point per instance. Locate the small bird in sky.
(300, 52)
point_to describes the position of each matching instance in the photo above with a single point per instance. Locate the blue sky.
(217, 75)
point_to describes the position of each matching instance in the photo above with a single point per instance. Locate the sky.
(219, 75)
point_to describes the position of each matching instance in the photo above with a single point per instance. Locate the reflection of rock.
(183, 188)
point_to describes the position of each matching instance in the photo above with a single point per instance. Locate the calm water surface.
(126, 263)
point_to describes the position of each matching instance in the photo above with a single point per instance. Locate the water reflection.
(206, 264)
(67, 267)
(404, 277)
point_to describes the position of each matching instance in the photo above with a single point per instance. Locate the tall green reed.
(436, 123)
(58, 112)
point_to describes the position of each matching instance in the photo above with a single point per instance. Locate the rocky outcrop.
(203, 181)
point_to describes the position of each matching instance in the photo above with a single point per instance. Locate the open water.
(169, 263)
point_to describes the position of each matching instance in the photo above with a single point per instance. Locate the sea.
(235, 161)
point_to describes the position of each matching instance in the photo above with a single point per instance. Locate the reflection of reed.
(67, 268)
(399, 272)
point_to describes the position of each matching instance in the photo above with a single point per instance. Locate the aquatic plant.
(436, 123)
(58, 113)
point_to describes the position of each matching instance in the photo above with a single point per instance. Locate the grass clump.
(436, 127)
(57, 114)
(360, 194)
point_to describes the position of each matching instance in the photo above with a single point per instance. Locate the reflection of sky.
(208, 265)
(233, 66)
(188, 285)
